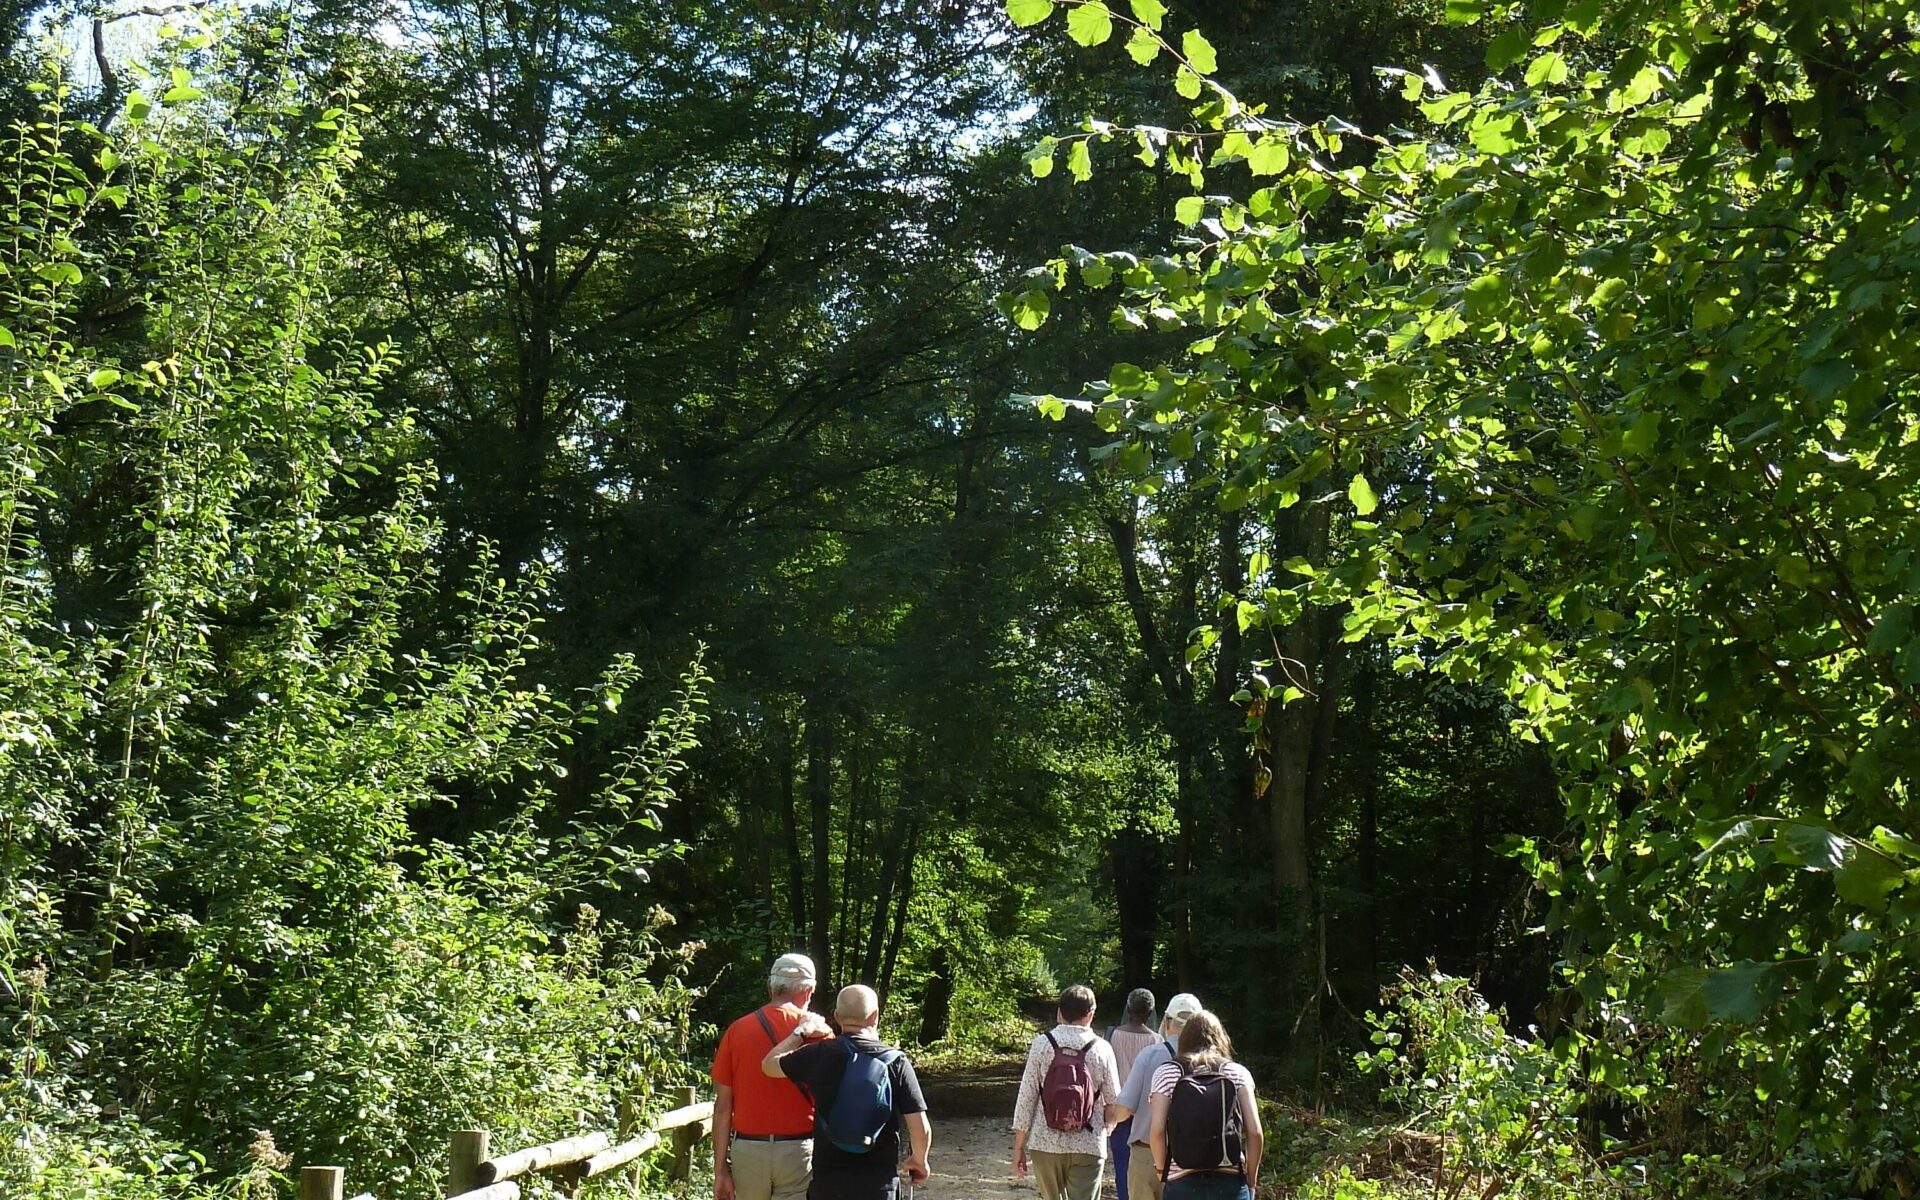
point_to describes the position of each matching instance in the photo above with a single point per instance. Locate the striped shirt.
(1167, 1077)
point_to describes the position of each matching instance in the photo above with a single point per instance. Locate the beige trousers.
(1066, 1176)
(770, 1170)
(1143, 1181)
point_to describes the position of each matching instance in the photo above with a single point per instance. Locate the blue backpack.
(863, 1109)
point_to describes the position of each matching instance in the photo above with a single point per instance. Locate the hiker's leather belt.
(774, 1137)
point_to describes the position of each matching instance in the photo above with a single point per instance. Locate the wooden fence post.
(629, 1127)
(467, 1150)
(684, 1138)
(322, 1183)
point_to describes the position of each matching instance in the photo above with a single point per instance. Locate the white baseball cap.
(1183, 1006)
(792, 968)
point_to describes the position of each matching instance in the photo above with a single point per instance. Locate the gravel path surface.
(971, 1110)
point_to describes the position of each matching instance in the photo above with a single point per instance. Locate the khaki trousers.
(1143, 1181)
(1066, 1176)
(770, 1170)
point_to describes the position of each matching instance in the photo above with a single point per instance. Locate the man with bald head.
(875, 1074)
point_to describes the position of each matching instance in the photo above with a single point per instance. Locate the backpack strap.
(1233, 1113)
(773, 1039)
(1166, 1168)
(1051, 1041)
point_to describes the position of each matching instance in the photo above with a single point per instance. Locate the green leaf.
(1895, 845)
(6, 337)
(1187, 83)
(1641, 434)
(1142, 47)
(1148, 12)
(1710, 312)
(1548, 68)
(1360, 491)
(1867, 879)
(1824, 380)
(1270, 155)
(1680, 990)
(1493, 133)
(1199, 52)
(1189, 209)
(105, 377)
(1607, 291)
(1812, 847)
(1040, 158)
(1029, 12)
(1506, 49)
(1442, 109)
(1465, 12)
(1733, 993)
(1089, 23)
(1581, 521)
(1080, 161)
(1029, 309)
(1485, 295)
(58, 273)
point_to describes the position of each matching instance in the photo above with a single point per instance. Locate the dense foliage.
(479, 479)
(1605, 373)
(220, 939)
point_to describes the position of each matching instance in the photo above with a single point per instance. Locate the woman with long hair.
(1204, 1125)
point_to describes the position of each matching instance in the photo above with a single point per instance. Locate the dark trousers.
(1117, 1150)
(1208, 1187)
(853, 1186)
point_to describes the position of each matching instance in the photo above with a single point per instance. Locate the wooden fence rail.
(475, 1173)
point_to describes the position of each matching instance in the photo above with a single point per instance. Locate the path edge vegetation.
(1595, 387)
(223, 949)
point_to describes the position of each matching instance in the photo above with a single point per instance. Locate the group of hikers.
(824, 1111)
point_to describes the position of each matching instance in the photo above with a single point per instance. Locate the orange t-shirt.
(761, 1106)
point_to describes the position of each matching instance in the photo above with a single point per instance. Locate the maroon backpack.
(1067, 1092)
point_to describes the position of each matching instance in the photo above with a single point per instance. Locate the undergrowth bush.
(224, 950)
(1506, 1110)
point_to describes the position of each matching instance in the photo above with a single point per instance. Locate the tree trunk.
(1370, 855)
(790, 836)
(876, 939)
(1291, 738)
(1183, 965)
(1136, 886)
(936, 1003)
(820, 738)
(853, 875)
(903, 897)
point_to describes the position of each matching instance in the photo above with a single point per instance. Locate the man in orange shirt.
(762, 1127)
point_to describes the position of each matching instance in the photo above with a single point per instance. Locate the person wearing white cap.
(763, 1128)
(1146, 1184)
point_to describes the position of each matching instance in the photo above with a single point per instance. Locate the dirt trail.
(972, 1109)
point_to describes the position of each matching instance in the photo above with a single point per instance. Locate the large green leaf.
(1029, 12)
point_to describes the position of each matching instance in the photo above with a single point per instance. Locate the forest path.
(972, 1109)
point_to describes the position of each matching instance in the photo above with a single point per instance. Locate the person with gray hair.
(763, 1128)
(865, 1095)
(1145, 1184)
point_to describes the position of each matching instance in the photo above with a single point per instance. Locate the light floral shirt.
(1030, 1115)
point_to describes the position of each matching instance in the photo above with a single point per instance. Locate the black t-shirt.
(819, 1067)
